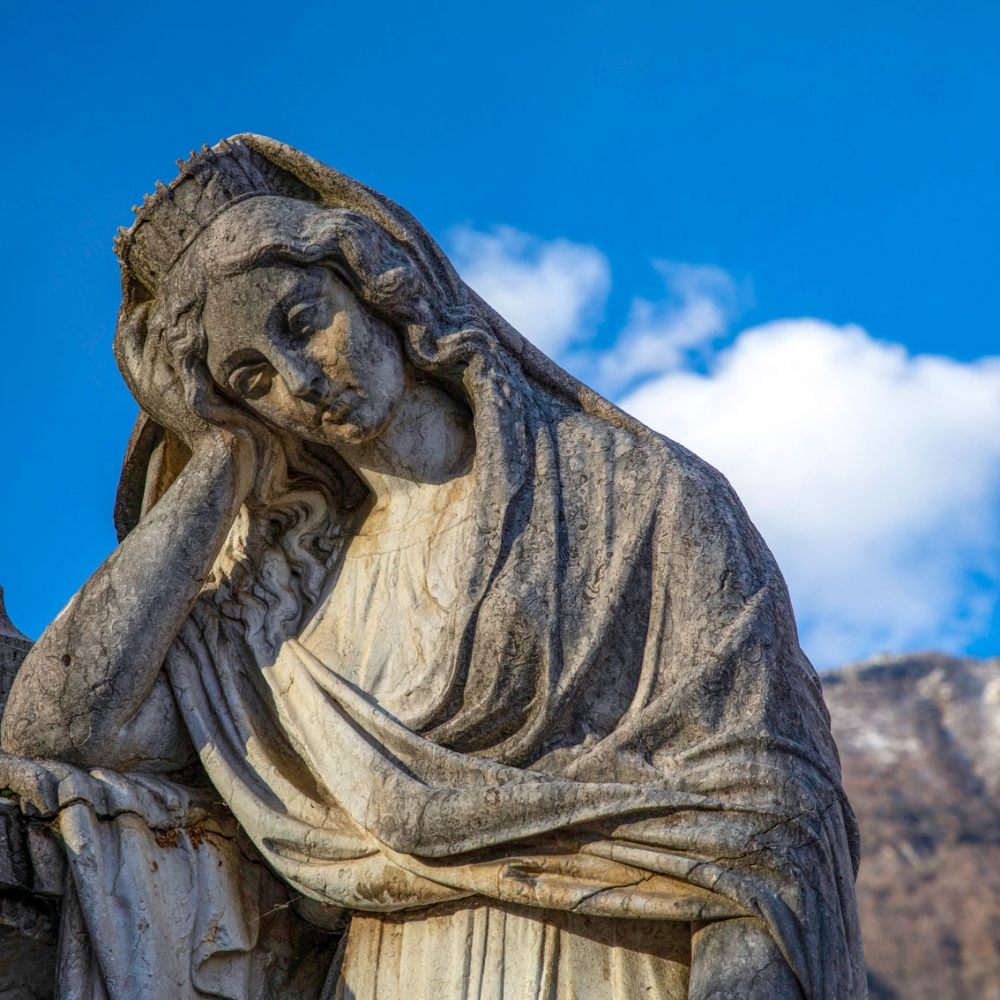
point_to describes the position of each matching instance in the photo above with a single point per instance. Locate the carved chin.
(342, 433)
(356, 426)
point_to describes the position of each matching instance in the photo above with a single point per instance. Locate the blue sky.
(763, 227)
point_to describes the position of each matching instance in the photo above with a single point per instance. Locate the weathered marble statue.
(410, 633)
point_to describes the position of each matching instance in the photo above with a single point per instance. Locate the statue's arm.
(80, 694)
(738, 959)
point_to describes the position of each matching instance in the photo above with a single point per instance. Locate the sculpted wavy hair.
(273, 566)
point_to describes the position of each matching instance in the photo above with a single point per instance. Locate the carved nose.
(312, 393)
(306, 384)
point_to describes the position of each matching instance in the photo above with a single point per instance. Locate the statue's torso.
(385, 625)
(384, 622)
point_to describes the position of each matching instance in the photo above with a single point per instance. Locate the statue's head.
(292, 342)
(303, 314)
(284, 331)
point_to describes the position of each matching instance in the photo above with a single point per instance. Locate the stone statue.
(420, 670)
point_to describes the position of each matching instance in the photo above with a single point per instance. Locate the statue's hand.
(176, 390)
(35, 784)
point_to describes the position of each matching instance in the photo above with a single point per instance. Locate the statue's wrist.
(222, 445)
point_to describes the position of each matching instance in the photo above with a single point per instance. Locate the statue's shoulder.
(616, 438)
(652, 475)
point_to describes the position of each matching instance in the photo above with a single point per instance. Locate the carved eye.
(253, 381)
(305, 319)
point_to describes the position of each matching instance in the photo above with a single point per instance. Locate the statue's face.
(296, 346)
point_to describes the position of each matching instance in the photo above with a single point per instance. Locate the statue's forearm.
(738, 960)
(95, 665)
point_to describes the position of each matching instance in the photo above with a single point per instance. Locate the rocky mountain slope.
(13, 648)
(919, 738)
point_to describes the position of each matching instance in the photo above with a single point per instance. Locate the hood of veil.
(306, 178)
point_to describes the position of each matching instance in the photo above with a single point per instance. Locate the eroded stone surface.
(406, 613)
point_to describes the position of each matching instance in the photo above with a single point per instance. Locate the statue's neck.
(429, 443)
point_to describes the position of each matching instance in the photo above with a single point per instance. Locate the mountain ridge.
(919, 739)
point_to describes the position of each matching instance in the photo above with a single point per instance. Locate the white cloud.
(660, 336)
(873, 474)
(551, 291)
